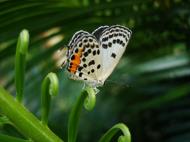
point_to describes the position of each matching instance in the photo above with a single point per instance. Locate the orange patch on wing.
(76, 61)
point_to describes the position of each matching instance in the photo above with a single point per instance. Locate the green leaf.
(20, 63)
(6, 138)
(86, 98)
(25, 121)
(126, 137)
(50, 87)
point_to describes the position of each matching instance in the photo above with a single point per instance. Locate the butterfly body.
(93, 57)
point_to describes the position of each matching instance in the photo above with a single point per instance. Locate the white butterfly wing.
(84, 60)
(74, 39)
(93, 57)
(113, 42)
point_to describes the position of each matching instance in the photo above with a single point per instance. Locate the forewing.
(113, 42)
(84, 60)
(74, 39)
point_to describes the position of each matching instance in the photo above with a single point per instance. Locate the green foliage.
(87, 98)
(26, 123)
(49, 88)
(5, 138)
(108, 135)
(21, 51)
(148, 89)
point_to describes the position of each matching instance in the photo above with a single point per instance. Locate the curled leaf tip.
(87, 99)
(126, 137)
(54, 84)
(50, 87)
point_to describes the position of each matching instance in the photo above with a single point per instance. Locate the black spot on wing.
(93, 45)
(87, 45)
(114, 41)
(80, 68)
(80, 44)
(118, 41)
(105, 46)
(94, 52)
(90, 40)
(98, 66)
(85, 40)
(92, 62)
(92, 70)
(113, 55)
(121, 42)
(104, 39)
(80, 74)
(72, 57)
(98, 51)
(115, 35)
(85, 54)
(109, 44)
(89, 51)
(76, 50)
(111, 35)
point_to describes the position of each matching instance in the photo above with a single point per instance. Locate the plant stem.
(126, 137)
(86, 98)
(25, 121)
(20, 63)
(50, 87)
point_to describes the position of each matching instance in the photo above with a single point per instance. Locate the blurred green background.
(149, 89)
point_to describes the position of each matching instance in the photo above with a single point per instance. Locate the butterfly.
(92, 57)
